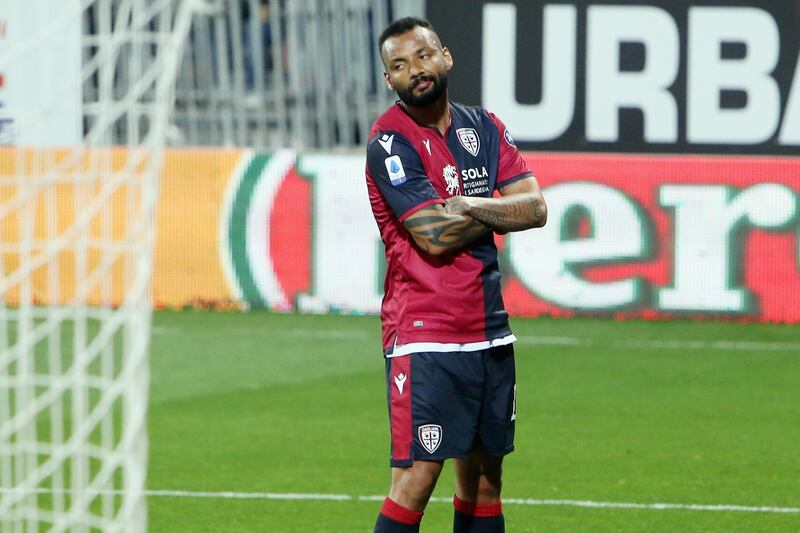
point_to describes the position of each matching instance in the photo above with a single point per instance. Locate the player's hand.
(458, 205)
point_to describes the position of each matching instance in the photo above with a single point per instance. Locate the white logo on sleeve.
(430, 436)
(400, 381)
(509, 140)
(397, 174)
(427, 143)
(469, 139)
(451, 179)
(386, 142)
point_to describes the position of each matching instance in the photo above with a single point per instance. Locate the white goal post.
(86, 89)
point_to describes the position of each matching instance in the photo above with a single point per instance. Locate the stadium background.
(709, 230)
(657, 311)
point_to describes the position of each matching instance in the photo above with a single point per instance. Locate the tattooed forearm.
(512, 213)
(438, 232)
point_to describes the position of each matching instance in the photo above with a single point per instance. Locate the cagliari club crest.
(430, 436)
(469, 139)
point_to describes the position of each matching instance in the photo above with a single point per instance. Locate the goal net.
(86, 87)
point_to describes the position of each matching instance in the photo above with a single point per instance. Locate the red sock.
(477, 509)
(478, 517)
(396, 518)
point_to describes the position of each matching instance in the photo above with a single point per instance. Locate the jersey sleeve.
(396, 168)
(511, 167)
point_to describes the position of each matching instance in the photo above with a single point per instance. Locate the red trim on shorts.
(402, 434)
(398, 513)
(483, 510)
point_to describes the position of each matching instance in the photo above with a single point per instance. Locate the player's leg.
(433, 416)
(411, 489)
(477, 503)
(479, 477)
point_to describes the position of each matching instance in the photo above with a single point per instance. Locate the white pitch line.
(655, 506)
(506, 501)
(223, 495)
(295, 496)
(249, 495)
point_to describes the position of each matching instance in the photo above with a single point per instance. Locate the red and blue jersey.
(450, 302)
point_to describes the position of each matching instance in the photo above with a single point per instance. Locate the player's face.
(416, 66)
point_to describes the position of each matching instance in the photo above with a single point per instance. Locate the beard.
(437, 89)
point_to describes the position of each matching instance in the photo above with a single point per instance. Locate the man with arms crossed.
(432, 167)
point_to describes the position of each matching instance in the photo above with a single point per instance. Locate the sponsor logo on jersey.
(430, 436)
(397, 174)
(475, 181)
(469, 139)
(386, 142)
(451, 179)
(474, 173)
(509, 140)
(400, 381)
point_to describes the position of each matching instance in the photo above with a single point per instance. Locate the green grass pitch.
(638, 412)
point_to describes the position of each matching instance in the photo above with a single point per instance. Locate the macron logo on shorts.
(400, 381)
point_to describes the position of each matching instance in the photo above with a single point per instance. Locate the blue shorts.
(443, 405)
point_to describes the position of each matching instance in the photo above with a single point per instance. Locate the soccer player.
(432, 168)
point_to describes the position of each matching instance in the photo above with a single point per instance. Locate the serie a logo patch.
(397, 174)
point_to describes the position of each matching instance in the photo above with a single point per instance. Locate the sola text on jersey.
(476, 181)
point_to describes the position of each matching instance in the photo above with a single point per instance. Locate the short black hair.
(402, 25)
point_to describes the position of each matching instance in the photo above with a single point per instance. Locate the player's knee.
(489, 491)
(424, 478)
(493, 474)
(416, 482)
(491, 482)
